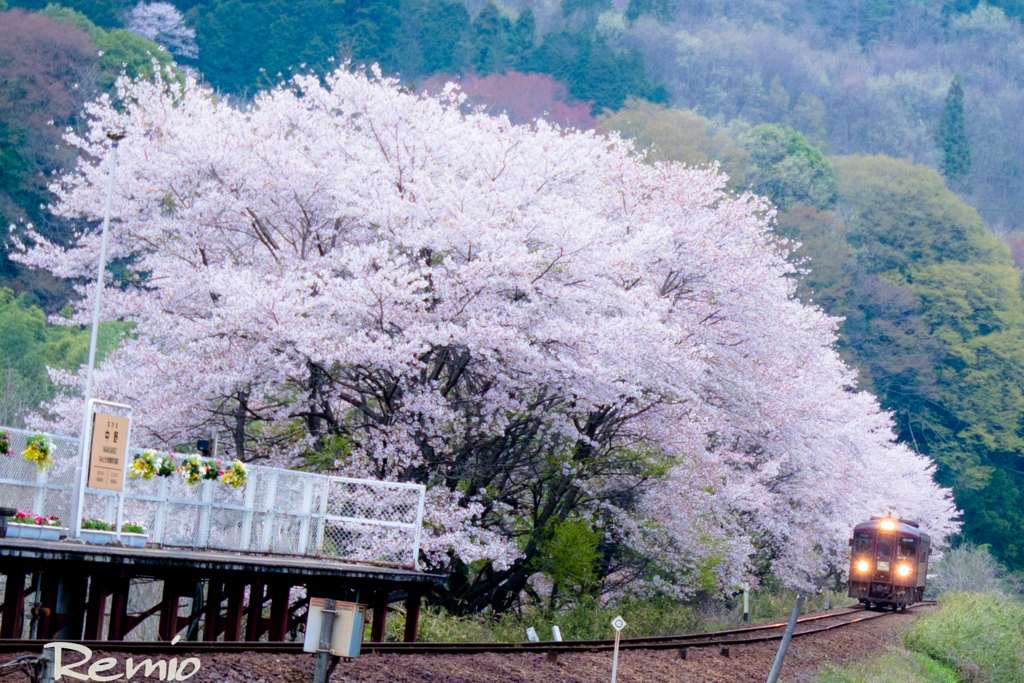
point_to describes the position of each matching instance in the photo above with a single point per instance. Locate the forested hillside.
(887, 133)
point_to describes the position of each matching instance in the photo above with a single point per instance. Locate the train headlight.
(863, 566)
(903, 570)
(887, 524)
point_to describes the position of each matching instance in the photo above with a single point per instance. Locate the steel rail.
(725, 637)
(546, 645)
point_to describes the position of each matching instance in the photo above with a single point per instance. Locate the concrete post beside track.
(777, 666)
(323, 654)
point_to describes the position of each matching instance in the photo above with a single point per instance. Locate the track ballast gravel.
(807, 655)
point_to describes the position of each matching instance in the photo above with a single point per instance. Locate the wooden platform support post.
(47, 604)
(168, 627)
(233, 618)
(69, 617)
(412, 613)
(254, 613)
(380, 615)
(96, 607)
(212, 621)
(12, 617)
(278, 594)
(118, 608)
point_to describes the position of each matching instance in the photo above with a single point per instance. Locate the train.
(888, 563)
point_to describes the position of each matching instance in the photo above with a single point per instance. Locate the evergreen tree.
(444, 24)
(662, 10)
(583, 14)
(521, 40)
(490, 40)
(952, 137)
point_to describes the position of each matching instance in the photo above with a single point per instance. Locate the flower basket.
(145, 465)
(37, 452)
(214, 469)
(149, 464)
(236, 474)
(192, 470)
(5, 442)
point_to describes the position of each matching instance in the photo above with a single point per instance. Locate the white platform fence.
(277, 511)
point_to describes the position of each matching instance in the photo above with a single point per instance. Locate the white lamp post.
(82, 469)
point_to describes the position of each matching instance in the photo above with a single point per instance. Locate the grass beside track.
(970, 638)
(588, 620)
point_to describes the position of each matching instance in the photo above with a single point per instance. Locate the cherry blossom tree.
(532, 322)
(162, 23)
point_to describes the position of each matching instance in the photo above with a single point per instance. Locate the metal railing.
(277, 511)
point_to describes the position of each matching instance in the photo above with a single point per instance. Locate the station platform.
(73, 591)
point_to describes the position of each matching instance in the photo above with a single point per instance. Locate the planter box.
(36, 532)
(134, 540)
(96, 537)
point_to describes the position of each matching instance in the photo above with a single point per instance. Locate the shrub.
(970, 568)
(978, 635)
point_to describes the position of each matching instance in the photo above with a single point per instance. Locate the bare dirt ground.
(807, 655)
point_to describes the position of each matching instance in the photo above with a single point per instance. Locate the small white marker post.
(618, 623)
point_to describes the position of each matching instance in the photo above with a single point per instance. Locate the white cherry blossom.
(530, 320)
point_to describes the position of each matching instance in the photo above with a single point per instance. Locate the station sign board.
(108, 452)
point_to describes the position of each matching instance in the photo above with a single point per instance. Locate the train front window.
(884, 548)
(861, 544)
(908, 547)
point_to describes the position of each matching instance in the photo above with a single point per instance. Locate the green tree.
(901, 217)
(594, 71)
(521, 37)
(444, 24)
(662, 10)
(569, 557)
(951, 137)
(103, 13)
(884, 334)
(583, 14)
(119, 50)
(676, 135)
(28, 346)
(490, 46)
(233, 39)
(958, 393)
(787, 169)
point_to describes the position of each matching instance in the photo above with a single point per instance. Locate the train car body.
(888, 562)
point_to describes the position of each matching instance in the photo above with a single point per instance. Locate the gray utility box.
(347, 636)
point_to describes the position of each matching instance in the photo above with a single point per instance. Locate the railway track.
(722, 638)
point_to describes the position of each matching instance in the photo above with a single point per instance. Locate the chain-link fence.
(277, 511)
